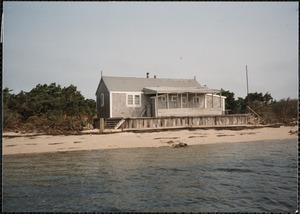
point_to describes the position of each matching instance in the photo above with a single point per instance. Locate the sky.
(72, 42)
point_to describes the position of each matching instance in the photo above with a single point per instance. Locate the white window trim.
(174, 98)
(139, 99)
(133, 99)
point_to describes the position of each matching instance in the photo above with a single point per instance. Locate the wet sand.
(48, 143)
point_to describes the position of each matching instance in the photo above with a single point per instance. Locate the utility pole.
(247, 89)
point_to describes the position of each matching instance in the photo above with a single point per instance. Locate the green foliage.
(270, 110)
(230, 103)
(242, 105)
(47, 106)
(257, 101)
(286, 109)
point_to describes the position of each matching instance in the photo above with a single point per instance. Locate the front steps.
(113, 123)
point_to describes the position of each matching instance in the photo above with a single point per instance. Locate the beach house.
(130, 97)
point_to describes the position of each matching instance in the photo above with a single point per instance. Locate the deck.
(173, 122)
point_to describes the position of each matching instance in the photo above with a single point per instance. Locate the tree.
(6, 96)
(10, 117)
(257, 102)
(267, 99)
(230, 103)
(286, 110)
(242, 105)
(90, 109)
(48, 106)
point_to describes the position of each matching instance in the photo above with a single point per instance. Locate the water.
(233, 177)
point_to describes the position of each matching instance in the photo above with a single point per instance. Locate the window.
(184, 100)
(163, 99)
(196, 99)
(137, 100)
(102, 99)
(130, 99)
(174, 98)
(133, 100)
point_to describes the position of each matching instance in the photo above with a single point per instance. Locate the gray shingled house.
(155, 97)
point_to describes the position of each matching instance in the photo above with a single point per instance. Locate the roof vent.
(154, 76)
(147, 75)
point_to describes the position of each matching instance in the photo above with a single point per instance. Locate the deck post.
(180, 100)
(156, 105)
(187, 99)
(167, 101)
(101, 125)
(221, 99)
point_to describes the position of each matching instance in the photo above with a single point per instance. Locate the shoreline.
(13, 134)
(30, 143)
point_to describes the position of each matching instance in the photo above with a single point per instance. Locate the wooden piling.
(101, 125)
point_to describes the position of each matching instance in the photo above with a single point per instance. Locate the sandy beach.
(48, 143)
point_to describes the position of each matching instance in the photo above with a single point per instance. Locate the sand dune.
(48, 143)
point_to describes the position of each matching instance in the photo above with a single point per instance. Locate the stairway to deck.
(113, 123)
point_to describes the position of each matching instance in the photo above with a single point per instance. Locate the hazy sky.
(71, 42)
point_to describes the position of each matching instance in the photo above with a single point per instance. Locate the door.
(184, 101)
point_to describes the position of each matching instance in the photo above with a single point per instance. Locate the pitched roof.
(135, 84)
